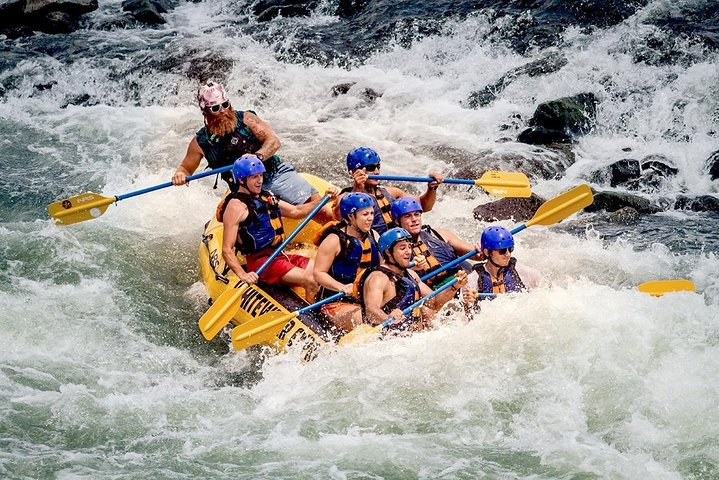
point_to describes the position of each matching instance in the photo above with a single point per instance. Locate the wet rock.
(613, 201)
(550, 63)
(266, 10)
(543, 136)
(208, 67)
(624, 170)
(20, 18)
(624, 216)
(702, 203)
(367, 93)
(517, 209)
(659, 164)
(347, 8)
(567, 117)
(147, 11)
(713, 164)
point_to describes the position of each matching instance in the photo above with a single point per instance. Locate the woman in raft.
(345, 250)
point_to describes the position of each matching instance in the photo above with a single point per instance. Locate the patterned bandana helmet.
(211, 94)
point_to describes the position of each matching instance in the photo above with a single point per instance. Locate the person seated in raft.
(362, 161)
(500, 273)
(229, 134)
(252, 224)
(431, 248)
(346, 249)
(388, 289)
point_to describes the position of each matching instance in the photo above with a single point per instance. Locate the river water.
(103, 373)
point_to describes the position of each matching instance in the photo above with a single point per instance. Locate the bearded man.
(229, 134)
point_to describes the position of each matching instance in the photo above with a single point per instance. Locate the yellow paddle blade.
(505, 184)
(562, 206)
(221, 312)
(79, 208)
(660, 287)
(262, 329)
(360, 335)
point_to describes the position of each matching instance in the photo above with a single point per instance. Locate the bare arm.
(235, 213)
(264, 133)
(377, 289)
(189, 164)
(326, 253)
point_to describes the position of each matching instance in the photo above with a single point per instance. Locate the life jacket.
(382, 208)
(431, 245)
(407, 292)
(263, 226)
(224, 150)
(354, 258)
(507, 280)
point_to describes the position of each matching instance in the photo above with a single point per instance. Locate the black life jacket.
(263, 226)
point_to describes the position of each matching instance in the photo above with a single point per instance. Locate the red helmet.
(211, 94)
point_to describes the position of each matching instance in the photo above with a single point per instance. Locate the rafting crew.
(362, 161)
(431, 249)
(228, 134)
(345, 250)
(385, 290)
(252, 224)
(501, 273)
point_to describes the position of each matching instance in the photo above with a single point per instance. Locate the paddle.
(660, 287)
(89, 205)
(499, 184)
(550, 212)
(225, 307)
(249, 333)
(364, 332)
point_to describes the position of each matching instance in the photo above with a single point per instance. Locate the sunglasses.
(503, 251)
(372, 168)
(217, 108)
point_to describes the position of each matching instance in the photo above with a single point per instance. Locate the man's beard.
(221, 123)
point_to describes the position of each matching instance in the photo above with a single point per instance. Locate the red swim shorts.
(279, 266)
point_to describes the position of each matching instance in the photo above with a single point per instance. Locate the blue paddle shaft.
(421, 301)
(292, 235)
(327, 300)
(399, 178)
(169, 184)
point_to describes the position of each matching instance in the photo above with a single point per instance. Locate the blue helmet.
(360, 157)
(405, 205)
(246, 166)
(494, 238)
(354, 201)
(390, 237)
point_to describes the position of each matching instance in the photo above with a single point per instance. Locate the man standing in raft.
(501, 273)
(228, 134)
(364, 160)
(252, 224)
(346, 249)
(388, 289)
(431, 248)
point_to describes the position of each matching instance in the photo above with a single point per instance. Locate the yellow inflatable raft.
(263, 305)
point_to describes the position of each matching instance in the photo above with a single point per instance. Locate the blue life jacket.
(508, 280)
(263, 226)
(224, 150)
(353, 259)
(407, 292)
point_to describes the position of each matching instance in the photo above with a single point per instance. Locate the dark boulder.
(348, 8)
(266, 10)
(564, 118)
(713, 165)
(517, 209)
(550, 63)
(367, 93)
(624, 216)
(147, 11)
(19, 18)
(613, 201)
(624, 170)
(543, 136)
(702, 203)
